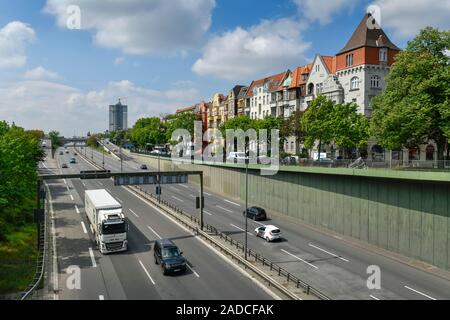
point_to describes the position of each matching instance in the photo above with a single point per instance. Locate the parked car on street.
(236, 157)
(256, 214)
(64, 166)
(268, 233)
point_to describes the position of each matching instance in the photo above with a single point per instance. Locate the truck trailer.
(107, 220)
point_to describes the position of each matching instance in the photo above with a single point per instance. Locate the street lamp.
(246, 199)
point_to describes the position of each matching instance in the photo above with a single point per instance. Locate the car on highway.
(167, 254)
(61, 153)
(64, 166)
(73, 160)
(268, 233)
(67, 151)
(144, 167)
(75, 154)
(256, 214)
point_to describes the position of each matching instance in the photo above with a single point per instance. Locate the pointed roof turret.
(368, 37)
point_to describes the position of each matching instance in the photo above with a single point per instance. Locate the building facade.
(118, 117)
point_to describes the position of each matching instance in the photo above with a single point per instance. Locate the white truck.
(107, 220)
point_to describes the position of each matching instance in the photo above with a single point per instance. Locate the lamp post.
(159, 179)
(246, 200)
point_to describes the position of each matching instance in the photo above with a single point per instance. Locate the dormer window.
(383, 55)
(349, 60)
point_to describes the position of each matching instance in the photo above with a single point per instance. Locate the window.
(430, 152)
(354, 100)
(383, 55)
(375, 81)
(317, 68)
(349, 60)
(354, 83)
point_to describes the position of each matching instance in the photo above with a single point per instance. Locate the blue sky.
(64, 79)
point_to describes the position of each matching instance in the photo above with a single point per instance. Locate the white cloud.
(140, 26)
(407, 17)
(119, 60)
(271, 46)
(322, 10)
(52, 106)
(13, 39)
(41, 73)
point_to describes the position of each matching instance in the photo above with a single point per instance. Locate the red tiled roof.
(330, 62)
(297, 75)
(276, 81)
(185, 109)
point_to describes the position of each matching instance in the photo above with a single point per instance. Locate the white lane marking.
(337, 237)
(100, 183)
(91, 253)
(84, 227)
(240, 228)
(68, 190)
(154, 232)
(421, 293)
(83, 184)
(108, 190)
(71, 197)
(196, 274)
(212, 248)
(177, 199)
(134, 213)
(184, 186)
(330, 253)
(192, 196)
(92, 229)
(209, 214)
(374, 298)
(208, 194)
(146, 272)
(224, 209)
(65, 181)
(76, 209)
(101, 297)
(173, 188)
(233, 203)
(119, 200)
(309, 264)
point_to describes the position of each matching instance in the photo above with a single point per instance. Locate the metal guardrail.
(40, 260)
(259, 258)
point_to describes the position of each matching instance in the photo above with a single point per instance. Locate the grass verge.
(18, 256)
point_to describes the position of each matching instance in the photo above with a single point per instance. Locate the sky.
(61, 66)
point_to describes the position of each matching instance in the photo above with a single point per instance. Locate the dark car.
(61, 153)
(75, 154)
(64, 166)
(168, 255)
(256, 213)
(73, 160)
(144, 167)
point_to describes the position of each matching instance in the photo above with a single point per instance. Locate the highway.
(133, 274)
(334, 266)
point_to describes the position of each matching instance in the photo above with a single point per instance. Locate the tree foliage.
(415, 107)
(19, 154)
(183, 120)
(148, 131)
(318, 122)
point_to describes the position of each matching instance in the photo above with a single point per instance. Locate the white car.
(269, 233)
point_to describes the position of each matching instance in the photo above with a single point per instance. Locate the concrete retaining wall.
(410, 217)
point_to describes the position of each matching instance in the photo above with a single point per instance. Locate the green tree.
(56, 141)
(415, 106)
(183, 120)
(318, 122)
(148, 130)
(19, 155)
(350, 129)
(92, 141)
(293, 126)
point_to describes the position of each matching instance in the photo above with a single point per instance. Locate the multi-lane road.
(338, 268)
(132, 274)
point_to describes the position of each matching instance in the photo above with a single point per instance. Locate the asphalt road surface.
(132, 274)
(336, 267)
